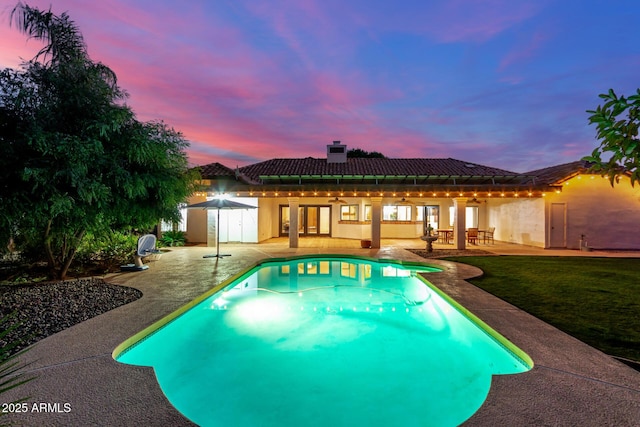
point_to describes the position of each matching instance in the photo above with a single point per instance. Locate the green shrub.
(112, 247)
(173, 238)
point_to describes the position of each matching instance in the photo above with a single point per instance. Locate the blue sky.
(501, 82)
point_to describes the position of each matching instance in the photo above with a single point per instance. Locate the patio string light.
(418, 194)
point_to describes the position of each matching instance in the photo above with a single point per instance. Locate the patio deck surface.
(571, 384)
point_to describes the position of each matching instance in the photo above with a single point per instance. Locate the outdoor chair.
(146, 247)
(472, 236)
(488, 235)
(445, 236)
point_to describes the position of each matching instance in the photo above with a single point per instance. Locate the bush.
(111, 248)
(173, 238)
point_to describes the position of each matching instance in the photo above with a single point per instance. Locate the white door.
(234, 225)
(557, 222)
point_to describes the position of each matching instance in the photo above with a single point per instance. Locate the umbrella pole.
(217, 255)
(218, 235)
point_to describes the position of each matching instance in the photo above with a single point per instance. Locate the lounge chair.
(146, 247)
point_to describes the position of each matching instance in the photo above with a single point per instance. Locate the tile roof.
(559, 173)
(370, 167)
(216, 170)
(384, 170)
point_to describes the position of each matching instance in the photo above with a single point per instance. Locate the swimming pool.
(326, 340)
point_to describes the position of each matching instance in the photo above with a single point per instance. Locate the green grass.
(596, 300)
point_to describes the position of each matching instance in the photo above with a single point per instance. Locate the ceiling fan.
(474, 200)
(404, 201)
(337, 201)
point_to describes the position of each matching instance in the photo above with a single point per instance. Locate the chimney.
(336, 153)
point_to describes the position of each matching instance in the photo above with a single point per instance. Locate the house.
(562, 206)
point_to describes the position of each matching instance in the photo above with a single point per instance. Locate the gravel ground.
(46, 308)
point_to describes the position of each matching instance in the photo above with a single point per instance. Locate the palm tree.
(63, 40)
(64, 44)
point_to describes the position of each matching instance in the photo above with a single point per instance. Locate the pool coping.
(570, 384)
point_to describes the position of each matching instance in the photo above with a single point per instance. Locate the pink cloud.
(523, 52)
(449, 21)
(478, 21)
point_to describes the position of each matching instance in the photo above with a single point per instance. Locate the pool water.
(325, 341)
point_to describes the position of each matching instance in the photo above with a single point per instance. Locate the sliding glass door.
(312, 220)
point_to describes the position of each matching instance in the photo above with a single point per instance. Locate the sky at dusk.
(503, 83)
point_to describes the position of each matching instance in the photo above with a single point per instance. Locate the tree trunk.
(77, 238)
(51, 261)
(59, 266)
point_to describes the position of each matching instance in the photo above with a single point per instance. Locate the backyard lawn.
(596, 300)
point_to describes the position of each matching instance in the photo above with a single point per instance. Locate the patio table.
(446, 234)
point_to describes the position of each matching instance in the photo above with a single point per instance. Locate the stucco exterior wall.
(520, 220)
(268, 218)
(608, 217)
(392, 230)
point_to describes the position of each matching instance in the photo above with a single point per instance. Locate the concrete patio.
(571, 383)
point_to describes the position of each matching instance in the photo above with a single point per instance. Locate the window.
(471, 214)
(367, 212)
(396, 213)
(433, 216)
(312, 220)
(349, 213)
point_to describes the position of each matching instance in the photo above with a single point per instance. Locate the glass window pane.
(389, 213)
(325, 220)
(301, 219)
(284, 219)
(312, 220)
(471, 216)
(404, 213)
(433, 216)
(349, 212)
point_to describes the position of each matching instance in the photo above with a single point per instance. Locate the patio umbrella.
(219, 204)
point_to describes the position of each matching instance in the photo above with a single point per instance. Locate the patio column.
(459, 221)
(376, 216)
(293, 221)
